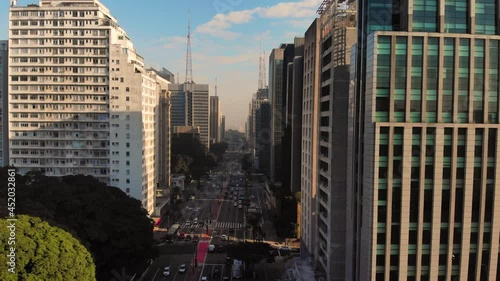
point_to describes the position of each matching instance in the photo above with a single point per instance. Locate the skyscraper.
(278, 69)
(309, 160)
(424, 165)
(215, 119)
(223, 127)
(80, 99)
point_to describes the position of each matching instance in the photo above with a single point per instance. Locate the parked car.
(223, 237)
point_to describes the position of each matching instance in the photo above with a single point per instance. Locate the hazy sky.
(225, 39)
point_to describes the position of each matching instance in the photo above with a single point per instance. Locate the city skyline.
(225, 40)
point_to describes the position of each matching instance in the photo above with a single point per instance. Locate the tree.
(44, 252)
(249, 252)
(180, 164)
(112, 225)
(219, 149)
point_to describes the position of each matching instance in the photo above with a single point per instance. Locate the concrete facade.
(215, 119)
(4, 103)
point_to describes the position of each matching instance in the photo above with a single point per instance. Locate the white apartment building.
(4, 86)
(78, 95)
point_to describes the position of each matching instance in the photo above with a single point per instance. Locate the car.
(240, 206)
(195, 220)
(231, 230)
(211, 247)
(166, 271)
(235, 204)
(285, 248)
(252, 197)
(228, 261)
(191, 197)
(216, 273)
(187, 224)
(225, 278)
(204, 278)
(182, 268)
(223, 237)
(239, 202)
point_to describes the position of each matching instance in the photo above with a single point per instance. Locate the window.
(127, 98)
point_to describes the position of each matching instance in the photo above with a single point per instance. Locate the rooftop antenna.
(264, 69)
(189, 66)
(261, 80)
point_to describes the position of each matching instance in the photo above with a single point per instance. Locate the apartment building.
(425, 158)
(4, 115)
(80, 100)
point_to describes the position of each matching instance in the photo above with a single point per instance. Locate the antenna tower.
(189, 66)
(264, 69)
(261, 80)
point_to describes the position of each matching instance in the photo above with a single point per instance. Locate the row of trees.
(192, 158)
(114, 227)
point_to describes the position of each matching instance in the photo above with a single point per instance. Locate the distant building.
(223, 128)
(215, 119)
(190, 107)
(178, 180)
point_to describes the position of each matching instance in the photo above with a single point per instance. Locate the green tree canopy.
(111, 224)
(180, 164)
(219, 149)
(44, 252)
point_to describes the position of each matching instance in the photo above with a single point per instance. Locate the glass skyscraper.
(424, 180)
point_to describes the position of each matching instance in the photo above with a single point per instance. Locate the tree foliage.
(180, 164)
(249, 252)
(44, 252)
(218, 149)
(246, 162)
(112, 225)
(234, 135)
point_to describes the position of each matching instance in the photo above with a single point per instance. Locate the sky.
(225, 39)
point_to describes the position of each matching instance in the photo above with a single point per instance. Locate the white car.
(211, 248)
(166, 271)
(240, 206)
(182, 268)
(223, 237)
(204, 278)
(235, 204)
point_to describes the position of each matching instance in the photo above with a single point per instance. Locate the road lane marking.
(154, 276)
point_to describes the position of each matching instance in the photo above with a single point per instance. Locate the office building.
(4, 105)
(190, 107)
(424, 160)
(310, 140)
(263, 137)
(223, 128)
(278, 73)
(294, 113)
(80, 100)
(215, 119)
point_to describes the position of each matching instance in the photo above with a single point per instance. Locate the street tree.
(250, 253)
(112, 225)
(43, 252)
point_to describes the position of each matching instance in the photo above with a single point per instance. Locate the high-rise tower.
(424, 164)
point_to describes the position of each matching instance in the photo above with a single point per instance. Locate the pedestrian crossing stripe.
(228, 225)
(224, 225)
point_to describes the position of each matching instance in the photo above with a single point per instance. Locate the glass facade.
(425, 15)
(485, 17)
(416, 78)
(432, 79)
(383, 78)
(455, 17)
(400, 81)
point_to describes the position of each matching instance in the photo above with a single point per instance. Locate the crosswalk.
(234, 225)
